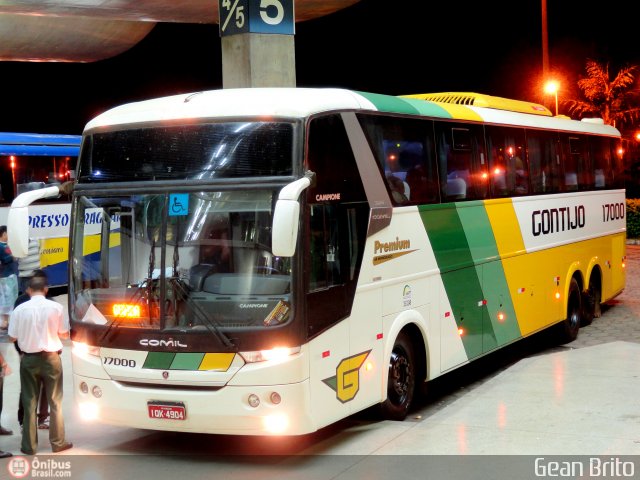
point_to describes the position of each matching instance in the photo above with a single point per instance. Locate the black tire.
(402, 380)
(591, 301)
(570, 326)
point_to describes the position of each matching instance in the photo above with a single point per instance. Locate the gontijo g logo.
(346, 383)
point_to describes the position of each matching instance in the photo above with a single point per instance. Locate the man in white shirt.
(38, 325)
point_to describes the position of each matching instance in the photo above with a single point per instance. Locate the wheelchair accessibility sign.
(178, 204)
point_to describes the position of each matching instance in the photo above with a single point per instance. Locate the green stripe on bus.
(187, 361)
(472, 274)
(159, 360)
(504, 327)
(385, 103)
(428, 108)
(458, 272)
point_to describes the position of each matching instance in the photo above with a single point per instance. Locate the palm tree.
(612, 100)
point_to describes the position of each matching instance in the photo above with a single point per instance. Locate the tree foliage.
(612, 100)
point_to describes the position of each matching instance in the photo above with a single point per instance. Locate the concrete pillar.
(258, 60)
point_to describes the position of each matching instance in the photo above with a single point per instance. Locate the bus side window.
(544, 161)
(602, 164)
(576, 163)
(462, 161)
(403, 148)
(509, 170)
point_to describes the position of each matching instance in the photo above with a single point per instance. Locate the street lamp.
(553, 87)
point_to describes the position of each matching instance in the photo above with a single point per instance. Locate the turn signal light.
(126, 310)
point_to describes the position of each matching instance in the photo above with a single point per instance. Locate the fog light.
(254, 401)
(88, 410)
(96, 391)
(84, 388)
(275, 398)
(276, 423)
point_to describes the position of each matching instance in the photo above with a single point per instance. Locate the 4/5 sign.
(256, 16)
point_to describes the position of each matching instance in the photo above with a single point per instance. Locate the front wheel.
(402, 380)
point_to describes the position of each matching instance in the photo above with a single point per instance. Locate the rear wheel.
(591, 301)
(402, 380)
(568, 329)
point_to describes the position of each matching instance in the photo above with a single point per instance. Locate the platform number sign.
(256, 16)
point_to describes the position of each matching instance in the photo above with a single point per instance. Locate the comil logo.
(18, 467)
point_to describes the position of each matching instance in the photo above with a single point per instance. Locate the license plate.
(167, 411)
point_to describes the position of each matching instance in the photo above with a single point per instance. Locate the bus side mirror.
(286, 218)
(18, 230)
(285, 228)
(18, 218)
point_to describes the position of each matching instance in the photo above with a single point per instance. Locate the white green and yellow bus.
(283, 258)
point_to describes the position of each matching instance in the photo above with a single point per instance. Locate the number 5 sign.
(256, 16)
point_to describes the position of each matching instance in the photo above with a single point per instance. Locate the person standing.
(4, 371)
(8, 278)
(28, 265)
(43, 405)
(38, 326)
(4, 368)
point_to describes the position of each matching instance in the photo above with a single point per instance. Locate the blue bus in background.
(30, 161)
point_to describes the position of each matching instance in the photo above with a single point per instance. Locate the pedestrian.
(43, 404)
(38, 325)
(8, 278)
(28, 265)
(4, 371)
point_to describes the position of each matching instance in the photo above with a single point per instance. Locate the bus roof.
(303, 102)
(12, 143)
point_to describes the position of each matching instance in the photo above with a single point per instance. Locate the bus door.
(336, 217)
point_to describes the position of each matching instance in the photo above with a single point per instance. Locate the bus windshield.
(193, 151)
(185, 261)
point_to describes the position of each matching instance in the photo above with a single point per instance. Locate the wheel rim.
(400, 377)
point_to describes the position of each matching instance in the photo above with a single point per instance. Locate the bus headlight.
(82, 349)
(274, 354)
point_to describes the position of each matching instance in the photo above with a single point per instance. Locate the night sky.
(399, 47)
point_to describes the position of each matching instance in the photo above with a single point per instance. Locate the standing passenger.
(43, 405)
(8, 278)
(4, 371)
(38, 325)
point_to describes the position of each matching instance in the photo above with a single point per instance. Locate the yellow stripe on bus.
(459, 112)
(91, 243)
(217, 361)
(530, 295)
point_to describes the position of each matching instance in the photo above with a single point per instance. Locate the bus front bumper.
(280, 409)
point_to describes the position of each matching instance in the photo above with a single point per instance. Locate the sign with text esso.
(256, 16)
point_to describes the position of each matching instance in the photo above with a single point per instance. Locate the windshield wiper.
(200, 314)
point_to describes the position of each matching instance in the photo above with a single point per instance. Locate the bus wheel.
(571, 325)
(402, 380)
(591, 301)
